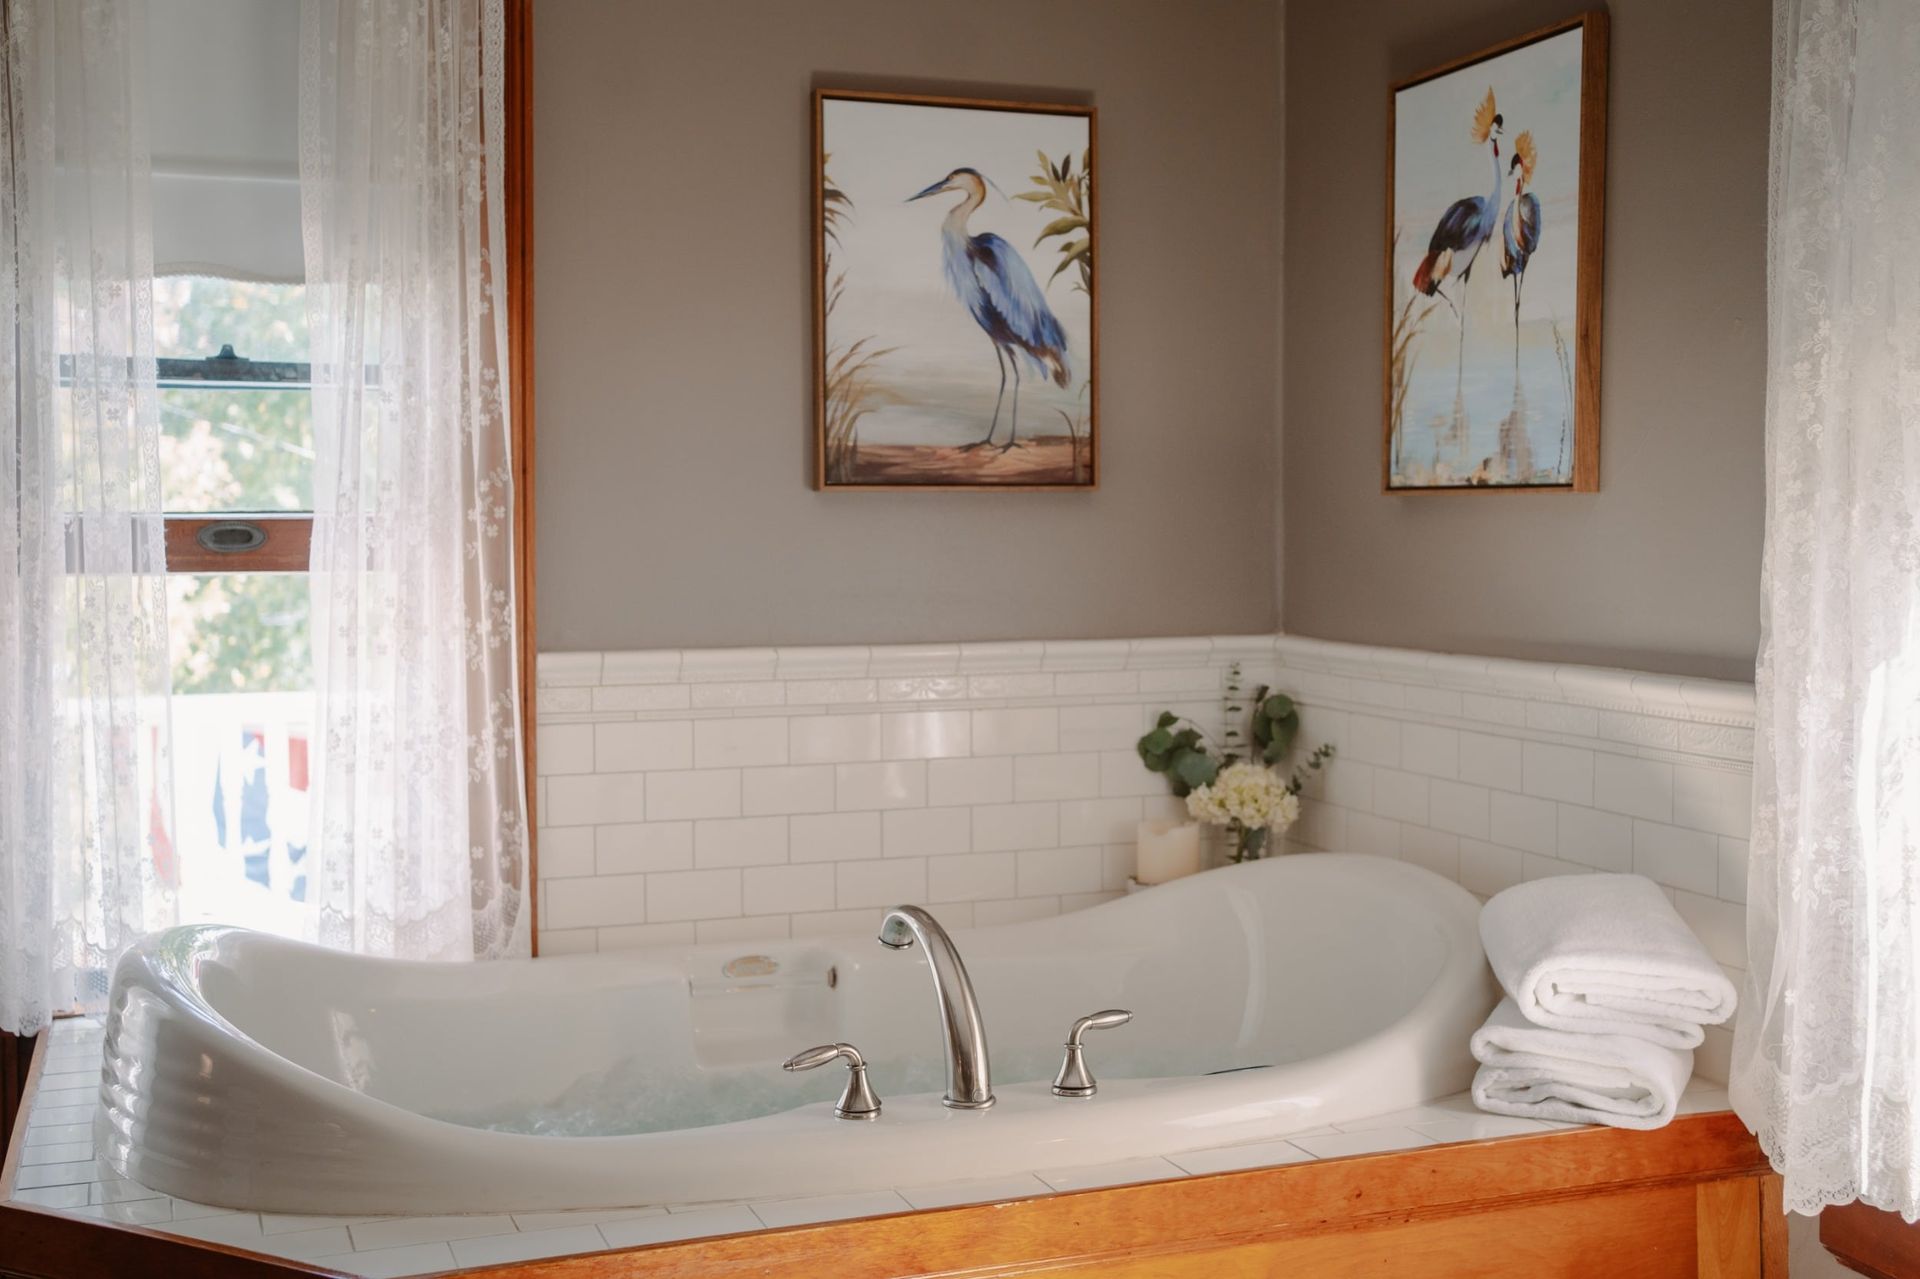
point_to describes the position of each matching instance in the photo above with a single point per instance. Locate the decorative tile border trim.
(1605, 688)
(1718, 702)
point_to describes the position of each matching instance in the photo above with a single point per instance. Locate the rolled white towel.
(1607, 954)
(1536, 1073)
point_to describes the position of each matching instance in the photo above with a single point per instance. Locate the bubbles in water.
(636, 1095)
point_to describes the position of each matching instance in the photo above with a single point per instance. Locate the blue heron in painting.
(992, 280)
(1465, 227)
(1520, 235)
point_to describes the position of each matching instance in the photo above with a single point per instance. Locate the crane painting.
(1520, 233)
(1493, 267)
(992, 281)
(956, 340)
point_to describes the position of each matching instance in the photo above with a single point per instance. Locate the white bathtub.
(248, 1071)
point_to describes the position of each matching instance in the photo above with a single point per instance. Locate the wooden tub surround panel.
(1690, 1199)
(1871, 1241)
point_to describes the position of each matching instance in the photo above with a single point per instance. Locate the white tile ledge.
(395, 1246)
(1720, 702)
(1014, 657)
(1723, 702)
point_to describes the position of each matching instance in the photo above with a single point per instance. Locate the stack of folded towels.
(1607, 990)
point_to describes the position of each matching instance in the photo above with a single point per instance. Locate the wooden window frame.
(518, 175)
(288, 548)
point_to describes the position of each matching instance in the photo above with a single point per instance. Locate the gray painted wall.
(674, 395)
(1660, 569)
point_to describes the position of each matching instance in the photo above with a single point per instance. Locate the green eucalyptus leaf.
(1196, 769)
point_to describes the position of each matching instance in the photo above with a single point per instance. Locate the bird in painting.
(1520, 232)
(1466, 226)
(993, 282)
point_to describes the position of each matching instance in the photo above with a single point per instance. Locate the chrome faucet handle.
(1074, 1079)
(858, 1101)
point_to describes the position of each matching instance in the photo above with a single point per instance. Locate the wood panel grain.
(288, 548)
(1728, 1229)
(1593, 250)
(1213, 1215)
(1773, 1228)
(1871, 1241)
(1647, 1234)
(16, 1061)
(17, 1133)
(517, 174)
(54, 1246)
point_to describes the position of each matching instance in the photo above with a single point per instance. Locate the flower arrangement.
(1251, 801)
(1245, 796)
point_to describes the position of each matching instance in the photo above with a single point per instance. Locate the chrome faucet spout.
(969, 1077)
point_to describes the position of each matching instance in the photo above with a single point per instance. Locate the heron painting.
(955, 255)
(1493, 263)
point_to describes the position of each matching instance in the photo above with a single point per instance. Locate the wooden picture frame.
(1546, 436)
(905, 394)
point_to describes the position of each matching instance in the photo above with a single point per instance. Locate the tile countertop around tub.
(57, 1171)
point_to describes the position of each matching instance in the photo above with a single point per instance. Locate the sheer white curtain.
(84, 863)
(420, 819)
(1827, 1052)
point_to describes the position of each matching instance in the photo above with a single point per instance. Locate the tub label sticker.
(750, 966)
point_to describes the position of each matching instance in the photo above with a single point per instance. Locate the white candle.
(1166, 850)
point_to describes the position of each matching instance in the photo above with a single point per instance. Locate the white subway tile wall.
(790, 792)
(761, 793)
(1493, 772)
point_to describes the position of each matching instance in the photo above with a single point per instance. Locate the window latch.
(230, 537)
(227, 361)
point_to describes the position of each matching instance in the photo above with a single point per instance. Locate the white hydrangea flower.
(1250, 794)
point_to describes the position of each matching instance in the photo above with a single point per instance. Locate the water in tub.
(707, 1050)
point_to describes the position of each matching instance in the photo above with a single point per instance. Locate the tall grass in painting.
(1060, 189)
(1563, 471)
(1406, 327)
(1079, 438)
(850, 369)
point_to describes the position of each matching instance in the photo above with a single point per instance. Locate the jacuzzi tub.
(249, 1071)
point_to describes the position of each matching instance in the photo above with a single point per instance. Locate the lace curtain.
(1827, 1051)
(419, 810)
(85, 867)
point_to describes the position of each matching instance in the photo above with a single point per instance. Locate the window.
(237, 455)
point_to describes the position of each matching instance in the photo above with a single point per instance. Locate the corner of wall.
(1280, 323)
